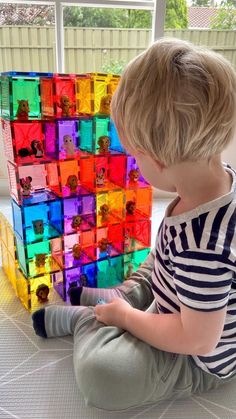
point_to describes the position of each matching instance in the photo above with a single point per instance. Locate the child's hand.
(114, 313)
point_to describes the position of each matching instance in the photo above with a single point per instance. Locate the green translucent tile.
(26, 89)
(101, 127)
(15, 89)
(110, 272)
(86, 135)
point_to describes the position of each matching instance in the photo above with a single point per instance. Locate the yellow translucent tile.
(27, 289)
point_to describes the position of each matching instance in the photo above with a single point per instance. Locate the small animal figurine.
(76, 251)
(83, 279)
(130, 271)
(24, 152)
(101, 301)
(38, 226)
(25, 183)
(127, 242)
(72, 183)
(104, 212)
(68, 145)
(23, 109)
(37, 148)
(40, 259)
(104, 143)
(65, 105)
(76, 222)
(100, 177)
(104, 245)
(134, 175)
(130, 207)
(105, 105)
(42, 293)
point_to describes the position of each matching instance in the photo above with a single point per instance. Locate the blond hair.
(177, 102)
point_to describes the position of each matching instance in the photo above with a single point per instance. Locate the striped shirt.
(195, 265)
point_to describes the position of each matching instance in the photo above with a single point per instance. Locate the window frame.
(157, 7)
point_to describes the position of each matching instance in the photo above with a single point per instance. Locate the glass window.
(27, 37)
(104, 39)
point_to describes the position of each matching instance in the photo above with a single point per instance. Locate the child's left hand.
(113, 313)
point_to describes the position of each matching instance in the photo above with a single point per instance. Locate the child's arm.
(191, 332)
(202, 281)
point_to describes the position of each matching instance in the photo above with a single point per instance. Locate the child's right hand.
(113, 313)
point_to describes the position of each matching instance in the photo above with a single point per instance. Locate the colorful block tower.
(81, 208)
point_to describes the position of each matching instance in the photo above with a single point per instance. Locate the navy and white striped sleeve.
(202, 280)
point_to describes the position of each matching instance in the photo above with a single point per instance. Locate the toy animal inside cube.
(29, 183)
(69, 184)
(79, 213)
(65, 96)
(58, 96)
(137, 235)
(94, 134)
(61, 139)
(134, 177)
(36, 258)
(110, 241)
(83, 275)
(110, 272)
(110, 207)
(26, 139)
(20, 97)
(76, 250)
(102, 172)
(92, 94)
(34, 223)
(138, 203)
(33, 292)
(101, 131)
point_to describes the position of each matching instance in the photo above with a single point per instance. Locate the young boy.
(170, 330)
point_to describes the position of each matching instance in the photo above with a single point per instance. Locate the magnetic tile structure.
(81, 208)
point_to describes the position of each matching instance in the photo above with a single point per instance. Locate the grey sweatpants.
(116, 371)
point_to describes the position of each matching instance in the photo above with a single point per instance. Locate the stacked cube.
(81, 208)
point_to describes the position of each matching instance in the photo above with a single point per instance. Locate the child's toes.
(38, 318)
(75, 294)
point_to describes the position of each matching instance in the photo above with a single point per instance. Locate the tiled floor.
(37, 380)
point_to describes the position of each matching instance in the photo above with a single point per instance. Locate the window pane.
(104, 40)
(210, 23)
(27, 37)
